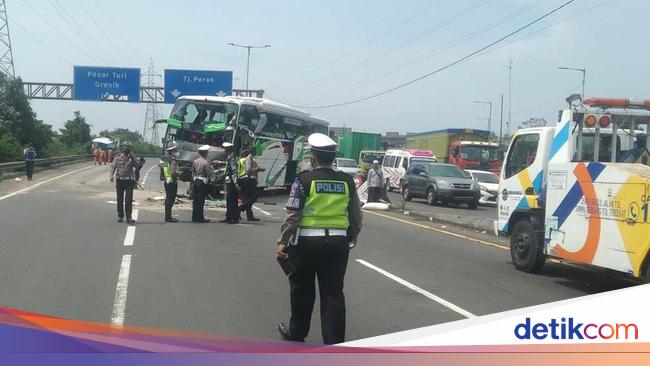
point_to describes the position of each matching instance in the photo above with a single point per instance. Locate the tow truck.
(579, 191)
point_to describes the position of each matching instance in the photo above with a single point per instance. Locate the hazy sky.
(333, 51)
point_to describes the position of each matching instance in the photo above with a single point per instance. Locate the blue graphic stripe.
(575, 194)
(560, 139)
(595, 169)
(537, 182)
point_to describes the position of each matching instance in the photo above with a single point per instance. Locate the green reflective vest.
(241, 168)
(327, 205)
(167, 171)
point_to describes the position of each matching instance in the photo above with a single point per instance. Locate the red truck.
(465, 147)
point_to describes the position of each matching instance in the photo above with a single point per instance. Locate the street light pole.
(584, 75)
(489, 126)
(248, 56)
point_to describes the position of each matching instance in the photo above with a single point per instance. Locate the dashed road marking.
(262, 211)
(43, 182)
(419, 290)
(119, 303)
(146, 175)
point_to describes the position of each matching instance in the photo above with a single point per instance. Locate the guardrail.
(20, 165)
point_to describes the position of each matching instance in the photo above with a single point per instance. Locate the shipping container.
(351, 143)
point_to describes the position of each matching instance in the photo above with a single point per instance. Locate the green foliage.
(10, 149)
(18, 123)
(76, 131)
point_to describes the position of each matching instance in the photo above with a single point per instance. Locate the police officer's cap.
(321, 143)
(171, 147)
(204, 148)
(226, 145)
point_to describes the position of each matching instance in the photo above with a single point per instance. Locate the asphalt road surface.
(62, 253)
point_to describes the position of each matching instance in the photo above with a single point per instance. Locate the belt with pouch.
(322, 232)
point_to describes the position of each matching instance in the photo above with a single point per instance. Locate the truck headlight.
(483, 189)
(443, 184)
(476, 186)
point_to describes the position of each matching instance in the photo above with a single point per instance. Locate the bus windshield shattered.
(194, 123)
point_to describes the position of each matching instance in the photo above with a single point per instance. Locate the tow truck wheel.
(525, 251)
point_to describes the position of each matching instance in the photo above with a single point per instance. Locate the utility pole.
(501, 124)
(509, 97)
(248, 56)
(6, 54)
(151, 114)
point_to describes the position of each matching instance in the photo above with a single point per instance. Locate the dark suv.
(437, 182)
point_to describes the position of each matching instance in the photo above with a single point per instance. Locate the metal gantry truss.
(148, 94)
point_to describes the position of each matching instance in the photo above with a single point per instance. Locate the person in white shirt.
(375, 182)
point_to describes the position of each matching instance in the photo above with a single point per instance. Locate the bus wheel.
(525, 250)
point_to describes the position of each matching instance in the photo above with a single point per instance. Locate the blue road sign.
(196, 82)
(106, 84)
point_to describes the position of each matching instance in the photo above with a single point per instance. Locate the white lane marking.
(130, 231)
(419, 290)
(262, 211)
(119, 304)
(43, 182)
(130, 236)
(146, 175)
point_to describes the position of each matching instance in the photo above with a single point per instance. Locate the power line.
(369, 61)
(13, 21)
(101, 30)
(118, 31)
(416, 60)
(59, 32)
(449, 65)
(74, 29)
(366, 43)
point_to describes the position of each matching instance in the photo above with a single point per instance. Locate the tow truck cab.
(579, 190)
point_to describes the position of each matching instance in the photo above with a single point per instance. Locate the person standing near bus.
(30, 160)
(202, 170)
(232, 185)
(252, 169)
(170, 174)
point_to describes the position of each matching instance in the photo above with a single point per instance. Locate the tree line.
(20, 126)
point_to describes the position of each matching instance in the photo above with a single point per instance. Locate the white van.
(396, 162)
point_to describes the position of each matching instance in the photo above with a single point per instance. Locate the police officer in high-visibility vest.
(246, 195)
(323, 221)
(170, 175)
(232, 185)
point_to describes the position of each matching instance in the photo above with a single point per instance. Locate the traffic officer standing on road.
(201, 171)
(324, 215)
(122, 172)
(232, 185)
(252, 169)
(170, 174)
